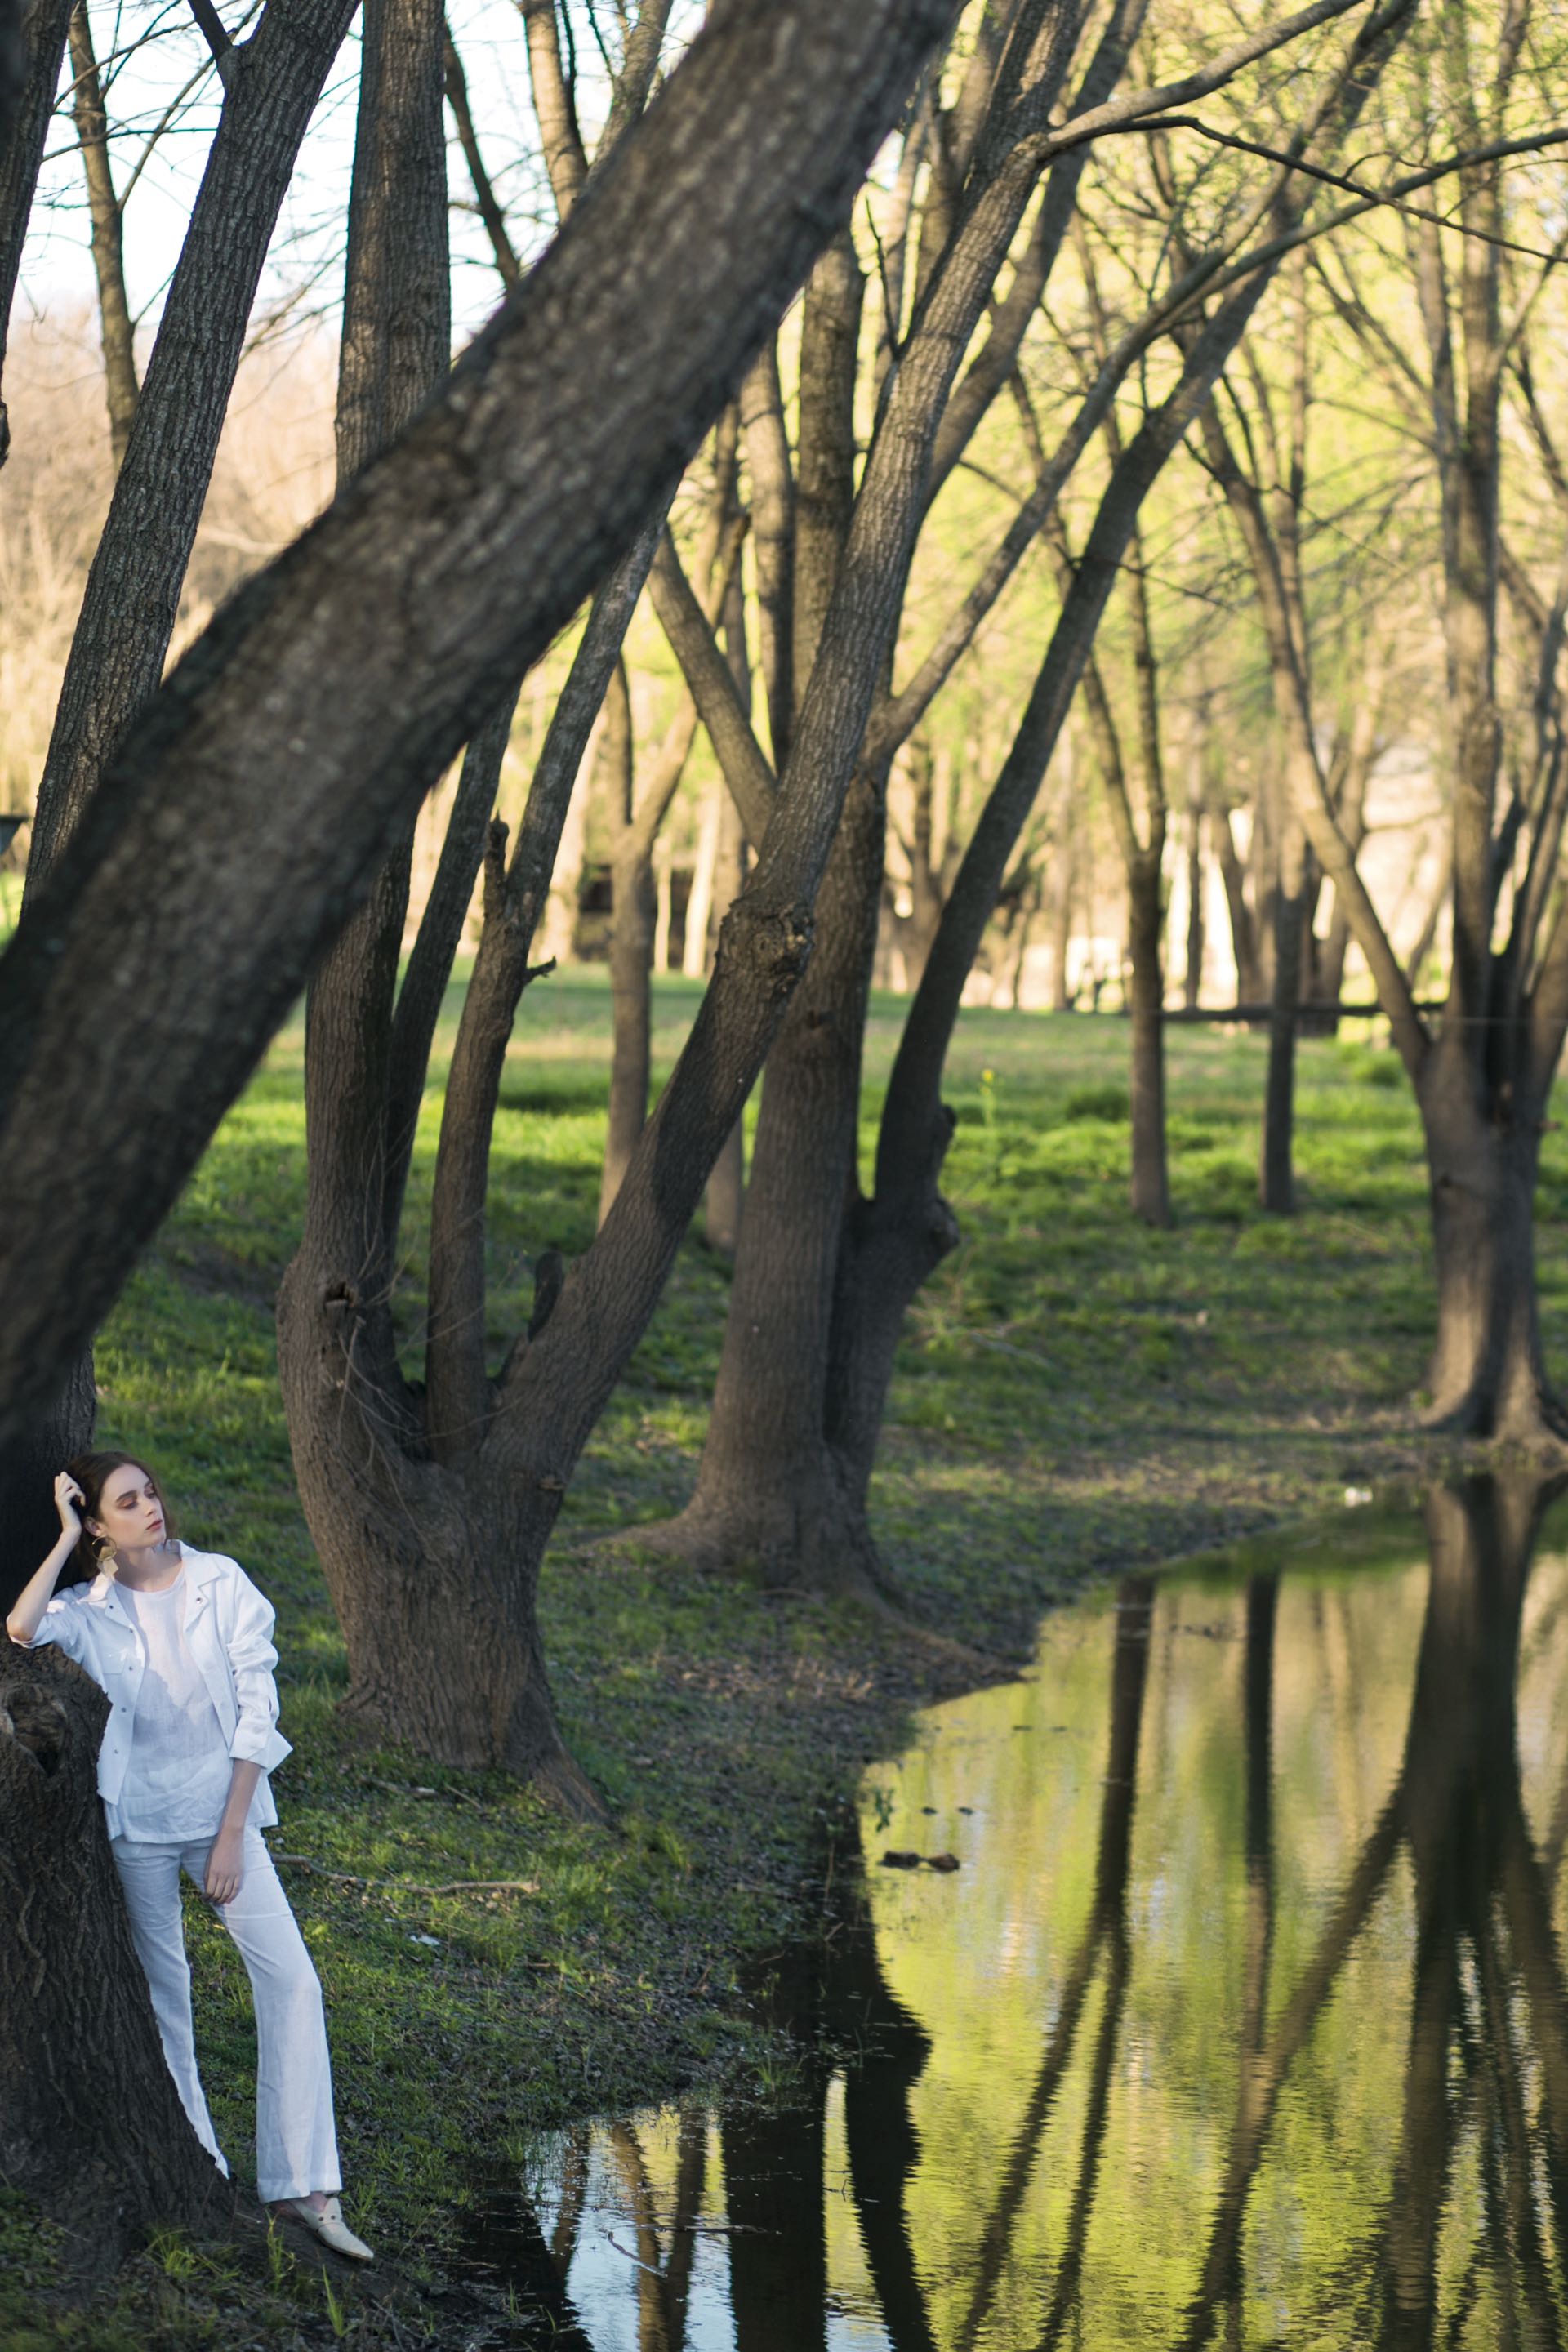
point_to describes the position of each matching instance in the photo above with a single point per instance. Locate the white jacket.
(228, 1624)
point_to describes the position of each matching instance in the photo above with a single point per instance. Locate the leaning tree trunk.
(91, 2127)
(725, 1198)
(28, 1521)
(1488, 1376)
(631, 1014)
(34, 48)
(1151, 1181)
(726, 1192)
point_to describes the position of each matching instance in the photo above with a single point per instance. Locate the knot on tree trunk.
(51, 1720)
(774, 942)
(944, 1232)
(37, 1724)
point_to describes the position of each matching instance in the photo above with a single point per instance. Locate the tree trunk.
(664, 915)
(133, 595)
(433, 1568)
(1061, 926)
(36, 73)
(1151, 1181)
(28, 1465)
(1486, 1376)
(704, 879)
(1242, 930)
(1193, 977)
(631, 1013)
(91, 2122)
(107, 253)
(1276, 1180)
(772, 1493)
(726, 1195)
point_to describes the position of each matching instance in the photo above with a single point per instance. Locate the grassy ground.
(1075, 1393)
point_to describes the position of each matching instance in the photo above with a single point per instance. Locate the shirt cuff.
(258, 1743)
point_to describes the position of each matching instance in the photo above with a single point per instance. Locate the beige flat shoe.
(328, 2225)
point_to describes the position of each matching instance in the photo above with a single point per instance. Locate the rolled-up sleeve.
(252, 1658)
(60, 1629)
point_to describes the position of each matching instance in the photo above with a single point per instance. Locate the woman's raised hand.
(68, 1495)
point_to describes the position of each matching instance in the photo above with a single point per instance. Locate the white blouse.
(228, 1626)
(178, 1773)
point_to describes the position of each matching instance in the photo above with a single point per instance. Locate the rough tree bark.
(91, 2122)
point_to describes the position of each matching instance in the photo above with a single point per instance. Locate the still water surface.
(1242, 2023)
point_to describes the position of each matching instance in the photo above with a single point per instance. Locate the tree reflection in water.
(1303, 2073)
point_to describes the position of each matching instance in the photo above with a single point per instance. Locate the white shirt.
(228, 1626)
(177, 1776)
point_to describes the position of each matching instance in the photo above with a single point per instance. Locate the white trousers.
(296, 2142)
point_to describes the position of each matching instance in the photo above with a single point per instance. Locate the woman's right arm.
(27, 1615)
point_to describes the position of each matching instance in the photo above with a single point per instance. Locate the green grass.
(1075, 1393)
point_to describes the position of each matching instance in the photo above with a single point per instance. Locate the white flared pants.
(296, 2142)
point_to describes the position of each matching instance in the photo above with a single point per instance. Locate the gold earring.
(104, 1551)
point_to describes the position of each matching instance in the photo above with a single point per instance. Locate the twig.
(214, 34)
(402, 1886)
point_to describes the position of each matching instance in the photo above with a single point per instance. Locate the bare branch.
(490, 211)
(711, 684)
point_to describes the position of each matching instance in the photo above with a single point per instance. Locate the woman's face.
(128, 1512)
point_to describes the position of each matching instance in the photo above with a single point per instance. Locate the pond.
(1241, 2022)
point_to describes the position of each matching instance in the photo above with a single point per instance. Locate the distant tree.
(825, 1274)
(1483, 1073)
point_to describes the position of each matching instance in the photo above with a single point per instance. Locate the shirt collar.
(200, 1567)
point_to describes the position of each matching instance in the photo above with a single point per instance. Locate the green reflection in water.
(1246, 2016)
(1242, 2023)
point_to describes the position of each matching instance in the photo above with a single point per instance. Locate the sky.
(162, 95)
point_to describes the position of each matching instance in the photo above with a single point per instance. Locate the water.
(1242, 2023)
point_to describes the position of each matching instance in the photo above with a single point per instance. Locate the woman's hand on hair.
(68, 1495)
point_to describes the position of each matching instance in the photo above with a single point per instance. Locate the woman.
(180, 1640)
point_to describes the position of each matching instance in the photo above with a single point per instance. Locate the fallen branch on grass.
(402, 1885)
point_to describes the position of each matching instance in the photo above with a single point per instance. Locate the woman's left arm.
(224, 1873)
(252, 1659)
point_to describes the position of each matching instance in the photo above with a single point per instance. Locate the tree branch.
(210, 27)
(711, 683)
(565, 157)
(457, 1382)
(491, 211)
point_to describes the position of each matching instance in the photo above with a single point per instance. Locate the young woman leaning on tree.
(180, 1640)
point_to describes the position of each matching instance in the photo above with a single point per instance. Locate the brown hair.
(93, 1473)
